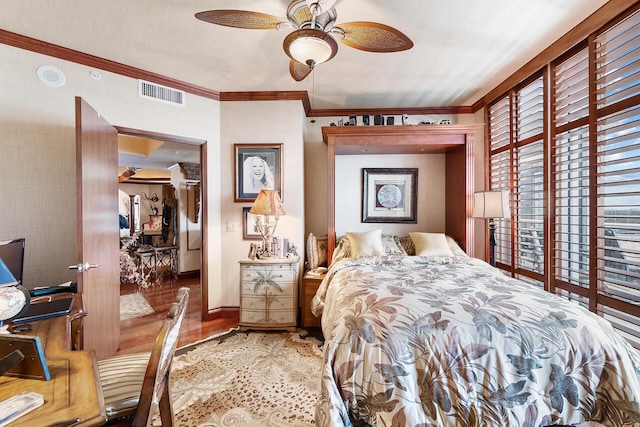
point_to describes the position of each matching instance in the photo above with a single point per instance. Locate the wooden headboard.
(455, 141)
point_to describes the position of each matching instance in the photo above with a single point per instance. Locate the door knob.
(83, 267)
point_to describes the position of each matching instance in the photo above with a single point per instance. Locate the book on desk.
(45, 310)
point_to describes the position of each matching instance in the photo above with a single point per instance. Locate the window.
(517, 164)
(575, 175)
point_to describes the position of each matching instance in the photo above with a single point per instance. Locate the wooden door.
(97, 229)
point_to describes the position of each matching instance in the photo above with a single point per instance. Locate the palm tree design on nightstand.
(266, 279)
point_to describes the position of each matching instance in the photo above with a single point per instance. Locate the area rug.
(247, 379)
(134, 305)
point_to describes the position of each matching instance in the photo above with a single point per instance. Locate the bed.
(447, 340)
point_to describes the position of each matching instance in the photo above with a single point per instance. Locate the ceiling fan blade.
(374, 37)
(299, 70)
(241, 19)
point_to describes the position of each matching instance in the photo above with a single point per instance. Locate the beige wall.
(259, 122)
(430, 185)
(37, 154)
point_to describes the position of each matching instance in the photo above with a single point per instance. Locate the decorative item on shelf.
(128, 173)
(405, 119)
(491, 205)
(14, 298)
(191, 171)
(267, 204)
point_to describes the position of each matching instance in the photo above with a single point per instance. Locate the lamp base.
(492, 241)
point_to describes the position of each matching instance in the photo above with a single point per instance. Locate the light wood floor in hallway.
(138, 334)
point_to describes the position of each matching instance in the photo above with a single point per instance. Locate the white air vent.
(161, 93)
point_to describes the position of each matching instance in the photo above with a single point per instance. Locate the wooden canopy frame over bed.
(455, 141)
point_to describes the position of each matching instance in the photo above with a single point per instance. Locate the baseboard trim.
(224, 313)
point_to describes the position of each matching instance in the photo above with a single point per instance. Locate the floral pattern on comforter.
(426, 341)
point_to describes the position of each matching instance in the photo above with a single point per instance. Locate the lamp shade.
(310, 46)
(491, 204)
(268, 203)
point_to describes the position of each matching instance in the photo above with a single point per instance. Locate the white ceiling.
(463, 48)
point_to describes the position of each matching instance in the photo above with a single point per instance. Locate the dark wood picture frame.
(390, 195)
(248, 226)
(265, 156)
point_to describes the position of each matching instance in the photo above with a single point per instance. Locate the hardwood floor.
(138, 334)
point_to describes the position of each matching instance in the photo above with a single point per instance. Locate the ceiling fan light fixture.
(310, 46)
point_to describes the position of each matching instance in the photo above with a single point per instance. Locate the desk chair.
(138, 384)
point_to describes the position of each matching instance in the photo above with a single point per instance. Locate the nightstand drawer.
(275, 302)
(284, 288)
(275, 273)
(260, 317)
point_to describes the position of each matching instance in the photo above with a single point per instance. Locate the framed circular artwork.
(389, 195)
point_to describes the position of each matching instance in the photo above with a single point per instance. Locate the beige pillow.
(431, 244)
(366, 243)
(316, 251)
(342, 250)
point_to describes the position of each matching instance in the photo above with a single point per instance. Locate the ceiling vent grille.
(161, 93)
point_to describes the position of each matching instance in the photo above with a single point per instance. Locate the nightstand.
(310, 284)
(269, 293)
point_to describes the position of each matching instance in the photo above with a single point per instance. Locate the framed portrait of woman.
(257, 167)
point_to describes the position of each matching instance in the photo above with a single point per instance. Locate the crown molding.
(56, 51)
(38, 46)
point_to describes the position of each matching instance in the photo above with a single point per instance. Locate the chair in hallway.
(135, 385)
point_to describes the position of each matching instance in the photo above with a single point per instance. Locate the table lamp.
(491, 205)
(267, 204)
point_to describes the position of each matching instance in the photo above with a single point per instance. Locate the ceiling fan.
(313, 39)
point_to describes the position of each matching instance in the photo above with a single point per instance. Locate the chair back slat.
(155, 387)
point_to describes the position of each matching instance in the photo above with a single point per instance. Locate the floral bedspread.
(426, 341)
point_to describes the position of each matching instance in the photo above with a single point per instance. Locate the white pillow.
(366, 243)
(431, 244)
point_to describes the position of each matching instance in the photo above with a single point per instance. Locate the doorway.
(179, 145)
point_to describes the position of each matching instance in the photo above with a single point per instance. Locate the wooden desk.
(74, 389)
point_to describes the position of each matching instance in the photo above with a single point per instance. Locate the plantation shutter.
(617, 53)
(529, 182)
(500, 160)
(571, 177)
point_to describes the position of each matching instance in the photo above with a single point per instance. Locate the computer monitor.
(12, 253)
